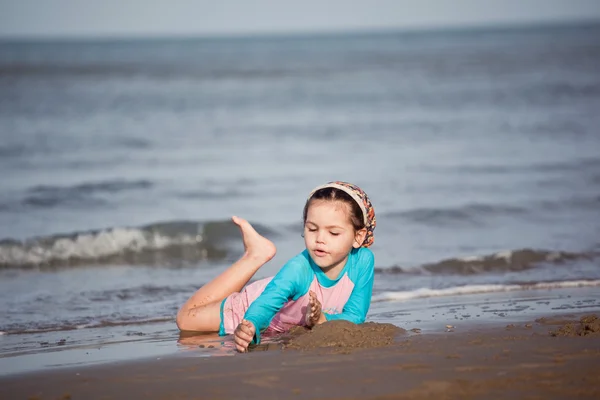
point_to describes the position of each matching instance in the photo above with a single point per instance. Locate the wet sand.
(343, 336)
(549, 358)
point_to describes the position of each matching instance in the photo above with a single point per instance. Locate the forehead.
(328, 212)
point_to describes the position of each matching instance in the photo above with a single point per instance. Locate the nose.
(320, 238)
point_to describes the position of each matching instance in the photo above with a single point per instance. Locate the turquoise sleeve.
(290, 283)
(362, 274)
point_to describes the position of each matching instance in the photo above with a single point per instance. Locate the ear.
(359, 237)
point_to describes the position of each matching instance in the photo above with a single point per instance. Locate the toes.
(238, 221)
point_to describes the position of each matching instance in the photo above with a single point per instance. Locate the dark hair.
(334, 194)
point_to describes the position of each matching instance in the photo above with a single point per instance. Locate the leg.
(201, 311)
(205, 318)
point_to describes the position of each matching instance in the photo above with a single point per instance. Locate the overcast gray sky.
(217, 17)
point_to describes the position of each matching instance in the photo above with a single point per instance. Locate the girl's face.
(329, 235)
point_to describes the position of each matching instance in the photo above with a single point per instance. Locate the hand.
(243, 335)
(314, 314)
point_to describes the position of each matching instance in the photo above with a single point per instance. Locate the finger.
(241, 344)
(246, 325)
(239, 348)
(249, 325)
(245, 337)
(244, 331)
(247, 330)
(239, 339)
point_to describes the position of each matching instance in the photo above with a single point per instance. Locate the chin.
(317, 261)
(324, 263)
(321, 262)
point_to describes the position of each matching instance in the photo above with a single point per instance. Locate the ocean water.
(122, 161)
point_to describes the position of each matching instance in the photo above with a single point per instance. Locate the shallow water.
(122, 162)
(60, 349)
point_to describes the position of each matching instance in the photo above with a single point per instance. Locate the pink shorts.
(234, 307)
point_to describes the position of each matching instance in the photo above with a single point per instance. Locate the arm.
(290, 283)
(359, 302)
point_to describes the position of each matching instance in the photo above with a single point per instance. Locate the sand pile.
(588, 325)
(344, 335)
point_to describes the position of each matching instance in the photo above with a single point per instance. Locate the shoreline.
(95, 347)
(494, 361)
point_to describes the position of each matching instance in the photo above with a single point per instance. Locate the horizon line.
(497, 26)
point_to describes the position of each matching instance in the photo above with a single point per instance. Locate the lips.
(320, 253)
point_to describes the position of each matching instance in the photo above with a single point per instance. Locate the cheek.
(309, 237)
(344, 243)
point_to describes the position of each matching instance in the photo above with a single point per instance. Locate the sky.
(134, 18)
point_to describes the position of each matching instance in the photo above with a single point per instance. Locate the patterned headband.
(361, 198)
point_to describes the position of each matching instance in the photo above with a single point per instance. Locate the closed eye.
(335, 233)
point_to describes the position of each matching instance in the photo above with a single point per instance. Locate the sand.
(343, 337)
(550, 358)
(587, 325)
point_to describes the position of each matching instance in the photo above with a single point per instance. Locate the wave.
(12, 151)
(139, 69)
(588, 163)
(156, 244)
(141, 293)
(479, 289)
(590, 203)
(214, 193)
(467, 214)
(47, 196)
(66, 326)
(505, 261)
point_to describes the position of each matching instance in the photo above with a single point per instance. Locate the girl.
(331, 279)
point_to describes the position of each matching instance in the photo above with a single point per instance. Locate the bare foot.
(257, 247)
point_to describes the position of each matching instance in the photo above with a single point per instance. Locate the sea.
(123, 160)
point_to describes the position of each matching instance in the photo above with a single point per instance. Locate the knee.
(180, 321)
(183, 321)
(204, 318)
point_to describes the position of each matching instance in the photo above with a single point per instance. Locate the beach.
(524, 360)
(123, 161)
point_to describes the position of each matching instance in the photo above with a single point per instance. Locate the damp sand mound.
(588, 325)
(343, 336)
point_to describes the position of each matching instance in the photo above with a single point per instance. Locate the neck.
(333, 271)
